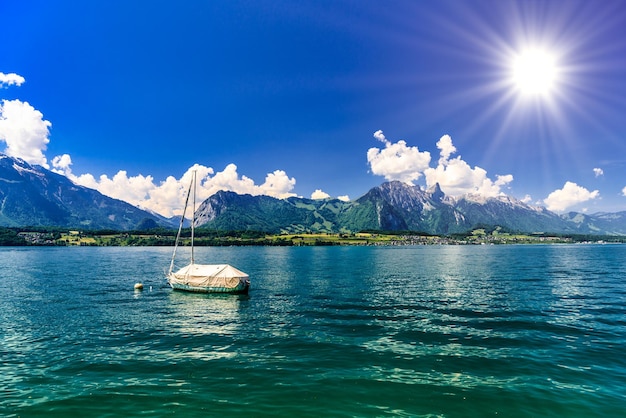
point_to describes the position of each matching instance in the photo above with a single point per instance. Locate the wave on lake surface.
(453, 331)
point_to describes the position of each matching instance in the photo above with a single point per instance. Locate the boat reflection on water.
(202, 314)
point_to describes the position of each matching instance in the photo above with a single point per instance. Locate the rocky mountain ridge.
(31, 195)
(34, 196)
(395, 206)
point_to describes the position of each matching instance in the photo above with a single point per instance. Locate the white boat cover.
(209, 275)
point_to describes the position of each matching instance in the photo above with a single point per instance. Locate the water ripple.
(411, 331)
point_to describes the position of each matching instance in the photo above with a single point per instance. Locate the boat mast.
(193, 215)
(180, 228)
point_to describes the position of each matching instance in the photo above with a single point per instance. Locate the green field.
(203, 237)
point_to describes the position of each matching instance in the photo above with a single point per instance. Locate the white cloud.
(526, 199)
(166, 197)
(397, 161)
(24, 131)
(135, 189)
(456, 177)
(61, 164)
(381, 137)
(11, 79)
(570, 195)
(277, 184)
(446, 148)
(319, 194)
(598, 172)
(624, 191)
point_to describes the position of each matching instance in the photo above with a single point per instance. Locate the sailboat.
(204, 278)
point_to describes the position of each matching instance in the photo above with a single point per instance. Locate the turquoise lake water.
(435, 331)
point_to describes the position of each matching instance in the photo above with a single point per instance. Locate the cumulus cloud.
(624, 191)
(277, 184)
(446, 149)
(571, 194)
(598, 172)
(11, 79)
(319, 194)
(397, 161)
(61, 164)
(456, 177)
(166, 197)
(24, 131)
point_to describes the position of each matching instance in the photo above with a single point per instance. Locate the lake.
(419, 331)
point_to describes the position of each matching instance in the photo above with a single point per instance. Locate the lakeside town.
(480, 236)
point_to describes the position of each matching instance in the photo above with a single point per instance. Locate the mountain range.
(31, 195)
(396, 206)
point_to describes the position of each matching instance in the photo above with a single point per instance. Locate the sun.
(534, 72)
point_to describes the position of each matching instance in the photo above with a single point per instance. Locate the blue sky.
(316, 98)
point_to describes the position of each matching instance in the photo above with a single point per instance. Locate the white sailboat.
(204, 278)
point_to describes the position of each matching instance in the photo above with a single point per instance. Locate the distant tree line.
(16, 236)
(10, 237)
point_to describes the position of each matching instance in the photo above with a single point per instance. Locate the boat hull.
(242, 288)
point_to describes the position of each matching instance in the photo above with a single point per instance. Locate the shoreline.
(477, 237)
